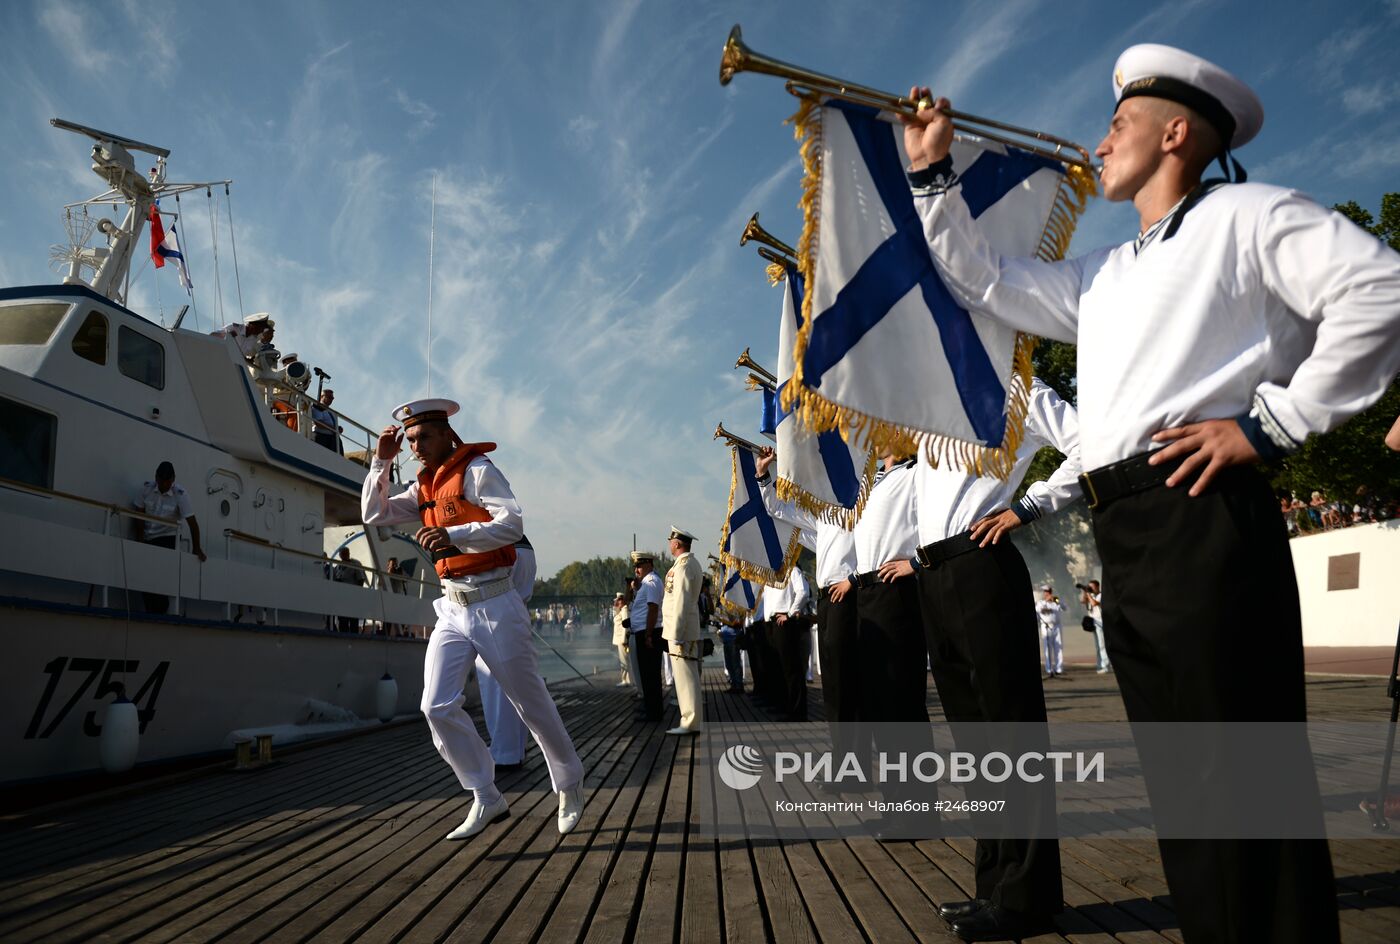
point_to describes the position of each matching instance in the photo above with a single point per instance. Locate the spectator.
(348, 571)
(397, 583)
(325, 428)
(163, 498)
(1092, 598)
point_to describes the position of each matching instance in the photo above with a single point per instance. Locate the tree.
(601, 576)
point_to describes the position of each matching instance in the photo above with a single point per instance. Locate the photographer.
(1092, 598)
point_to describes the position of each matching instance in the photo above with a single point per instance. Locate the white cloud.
(1366, 99)
(70, 28)
(425, 115)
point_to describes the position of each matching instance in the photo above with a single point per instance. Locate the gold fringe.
(776, 273)
(749, 571)
(826, 512)
(818, 414)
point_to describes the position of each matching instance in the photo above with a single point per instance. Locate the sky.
(589, 295)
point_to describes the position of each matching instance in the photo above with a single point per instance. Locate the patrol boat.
(92, 397)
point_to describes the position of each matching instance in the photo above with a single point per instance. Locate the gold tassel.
(776, 273)
(750, 571)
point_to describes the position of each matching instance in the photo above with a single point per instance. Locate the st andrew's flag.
(885, 351)
(739, 596)
(753, 542)
(827, 474)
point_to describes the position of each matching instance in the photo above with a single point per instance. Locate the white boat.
(92, 397)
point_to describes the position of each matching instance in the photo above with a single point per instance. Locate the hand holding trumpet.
(928, 134)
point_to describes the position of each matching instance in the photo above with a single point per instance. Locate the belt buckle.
(922, 555)
(1086, 482)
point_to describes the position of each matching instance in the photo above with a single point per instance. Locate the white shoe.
(681, 729)
(479, 817)
(570, 809)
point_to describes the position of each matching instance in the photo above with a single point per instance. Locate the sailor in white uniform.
(1241, 320)
(471, 523)
(1052, 641)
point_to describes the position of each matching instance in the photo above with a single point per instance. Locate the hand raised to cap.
(389, 442)
(766, 455)
(928, 135)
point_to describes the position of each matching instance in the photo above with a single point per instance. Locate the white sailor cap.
(424, 411)
(683, 535)
(259, 316)
(288, 358)
(639, 556)
(618, 595)
(1228, 104)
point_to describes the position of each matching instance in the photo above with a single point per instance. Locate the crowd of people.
(1320, 513)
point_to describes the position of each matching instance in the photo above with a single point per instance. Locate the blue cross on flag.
(885, 351)
(739, 596)
(826, 474)
(753, 542)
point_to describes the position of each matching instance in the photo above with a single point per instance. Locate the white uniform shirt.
(1095, 608)
(949, 500)
(482, 484)
(1048, 612)
(172, 504)
(834, 546)
(788, 599)
(650, 591)
(1263, 303)
(887, 529)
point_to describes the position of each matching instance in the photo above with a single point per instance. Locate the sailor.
(619, 640)
(249, 335)
(788, 638)
(1052, 643)
(503, 722)
(162, 497)
(1241, 320)
(893, 660)
(471, 522)
(646, 632)
(835, 550)
(975, 600)
(680, 621)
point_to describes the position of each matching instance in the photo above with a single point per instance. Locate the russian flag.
(166, 245)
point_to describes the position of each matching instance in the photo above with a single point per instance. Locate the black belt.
(1126, 477)
(866, 580)
(931, 555)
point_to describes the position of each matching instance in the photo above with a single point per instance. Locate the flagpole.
(432, 232)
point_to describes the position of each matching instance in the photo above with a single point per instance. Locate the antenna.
(432, 232)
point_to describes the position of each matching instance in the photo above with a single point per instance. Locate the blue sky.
(589, 293)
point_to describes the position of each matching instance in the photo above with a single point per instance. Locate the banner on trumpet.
(884, 351)
(752, 542)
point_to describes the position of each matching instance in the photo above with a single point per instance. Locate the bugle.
(746, 361)
(754, 381)
(722, 433)
(760, 235)
(804, 82)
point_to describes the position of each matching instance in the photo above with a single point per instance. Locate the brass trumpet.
(804, 82)
(722, 433)
(760, 235)
(746, 361)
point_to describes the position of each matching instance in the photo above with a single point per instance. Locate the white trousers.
(667, 675)
(814, 659)
(497, 630)
(624, 664)
(635, 641)
(687, 676)
(1052, 648)
(507, 731)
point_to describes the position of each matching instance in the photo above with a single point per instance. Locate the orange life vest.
(285, 413)
(442, 503)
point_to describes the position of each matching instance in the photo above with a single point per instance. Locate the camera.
(1080, 586)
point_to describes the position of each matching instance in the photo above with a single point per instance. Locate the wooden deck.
(343, 842)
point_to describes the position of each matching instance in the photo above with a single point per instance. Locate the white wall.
(1366, 616)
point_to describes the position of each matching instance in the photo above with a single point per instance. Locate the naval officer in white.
(471, 522)
(680, 627)
(1242, 319)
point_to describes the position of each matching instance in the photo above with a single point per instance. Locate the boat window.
(91, 340)
(141, 358)
(26, 444)
(30, 324)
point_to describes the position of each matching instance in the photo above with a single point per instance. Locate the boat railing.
(291, 406)
(118, 513)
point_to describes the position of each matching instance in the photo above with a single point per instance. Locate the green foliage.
(1388, 229)
(601, 576)
(1055, 363)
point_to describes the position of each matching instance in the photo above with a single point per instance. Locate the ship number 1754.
(91, 670)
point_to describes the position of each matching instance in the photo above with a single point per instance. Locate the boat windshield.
(30, 324)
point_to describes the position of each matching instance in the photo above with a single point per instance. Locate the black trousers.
(893, 657)
(792, 642)
(837, 641)
(1202, 623)
(767, 671)
(649, 668)
(980, 625)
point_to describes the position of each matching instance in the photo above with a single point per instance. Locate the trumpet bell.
(735, 56)
(754, 231)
